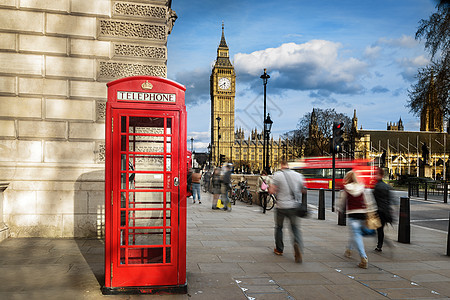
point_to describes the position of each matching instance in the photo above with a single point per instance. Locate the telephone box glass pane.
(168, 217)
(144, 162)
(123, 200)
(168, 202)
(145, 218)
(123, 143)
(169, 126)
(147, 200)
(169, 144)
(168, 163)
(145, 255)
(168, 237)
(145, 237)
(123, 218)
(168, 254)
(123, 181)
(123, 124)
(149, 181)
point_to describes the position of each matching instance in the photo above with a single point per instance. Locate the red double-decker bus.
(318, 171)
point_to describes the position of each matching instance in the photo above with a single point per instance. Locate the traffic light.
(338, 131)
(222, 158)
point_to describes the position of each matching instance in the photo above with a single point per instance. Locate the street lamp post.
(218, 140)
(209, 156)
(192, 144)
(267, 128)
(264, 77)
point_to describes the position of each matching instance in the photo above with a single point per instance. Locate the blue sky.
(323, 54)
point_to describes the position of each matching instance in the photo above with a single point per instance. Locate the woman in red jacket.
(358, 203)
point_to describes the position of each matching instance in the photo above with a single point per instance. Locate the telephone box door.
(145, 212)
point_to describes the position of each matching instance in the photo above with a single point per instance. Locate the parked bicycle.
(244, 193)
(233, 196)
(267, 201)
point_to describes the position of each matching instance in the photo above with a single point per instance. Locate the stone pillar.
(4, 229)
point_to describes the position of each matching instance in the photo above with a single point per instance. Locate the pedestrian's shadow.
(89, 221)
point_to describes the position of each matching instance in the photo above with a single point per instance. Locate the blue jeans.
(280, 214)
(196, 190)
(356, 238)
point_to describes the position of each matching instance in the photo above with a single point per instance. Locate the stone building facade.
(55, 60)
(412, 153)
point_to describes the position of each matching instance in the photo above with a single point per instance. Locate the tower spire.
(223, 42)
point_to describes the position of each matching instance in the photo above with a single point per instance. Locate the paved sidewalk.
(230, 256)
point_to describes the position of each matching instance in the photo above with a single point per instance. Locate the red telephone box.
(146, 171)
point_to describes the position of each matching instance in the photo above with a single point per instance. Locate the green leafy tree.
(436, 33)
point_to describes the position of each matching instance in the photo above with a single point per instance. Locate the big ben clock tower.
(222, 89)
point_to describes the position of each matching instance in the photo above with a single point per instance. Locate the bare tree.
(436, 32)
(315, 131)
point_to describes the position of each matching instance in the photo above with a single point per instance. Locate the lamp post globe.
(209, 154)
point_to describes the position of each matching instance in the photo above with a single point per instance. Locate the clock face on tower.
(224, 83)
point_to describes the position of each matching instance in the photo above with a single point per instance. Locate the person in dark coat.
(382, 195)
(216, 187)
(226, 182)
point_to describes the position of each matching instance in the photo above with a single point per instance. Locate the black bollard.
(305, 199)
(321, 215)
(342, 216)
(448, 236)
(409, 189)
(426, 191)
(404, 226)
(445, 191)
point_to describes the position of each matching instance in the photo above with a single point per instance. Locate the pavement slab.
(230, 256)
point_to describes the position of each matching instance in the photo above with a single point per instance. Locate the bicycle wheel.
(241, 196)
(270, 202)
(250, 197)
(233, 197)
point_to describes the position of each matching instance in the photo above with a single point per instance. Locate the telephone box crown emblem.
(147, 85)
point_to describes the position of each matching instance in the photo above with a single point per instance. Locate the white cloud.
(372, 52)
(409, 66)
(405, 41)
(199, 135)
(315, 65)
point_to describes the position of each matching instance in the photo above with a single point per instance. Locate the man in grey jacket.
(286, 183)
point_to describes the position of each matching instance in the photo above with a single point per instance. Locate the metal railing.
(429, 190)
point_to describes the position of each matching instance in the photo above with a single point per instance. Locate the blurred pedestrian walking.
(286, 184)
(196, 178)
(382, 195)
(263, 189)
(358, 203)
(226, 186)
(216, 187)
(207, 180)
